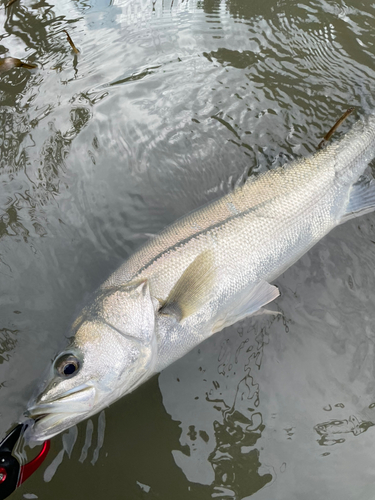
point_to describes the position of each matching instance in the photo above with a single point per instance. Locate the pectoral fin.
(193, 288)
(361, 200)
(246, 304)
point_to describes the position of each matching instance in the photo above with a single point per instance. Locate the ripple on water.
(168, 105)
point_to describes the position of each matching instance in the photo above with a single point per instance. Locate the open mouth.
(48, 425)
(80, 400)
(55, 416)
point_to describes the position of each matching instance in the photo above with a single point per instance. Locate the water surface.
(170, 104)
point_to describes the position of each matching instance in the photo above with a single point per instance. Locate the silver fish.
(206, 271)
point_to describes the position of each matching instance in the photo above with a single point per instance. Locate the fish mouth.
(55, 416)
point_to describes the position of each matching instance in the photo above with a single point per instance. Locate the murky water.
(168, 105)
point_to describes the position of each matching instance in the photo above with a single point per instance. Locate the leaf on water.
(8, 63)
(329, 134)
(75, 50)
(10, 3)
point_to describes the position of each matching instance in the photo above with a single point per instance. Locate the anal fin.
(361, 200)
(245, 304)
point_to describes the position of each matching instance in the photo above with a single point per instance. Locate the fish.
(208, 270)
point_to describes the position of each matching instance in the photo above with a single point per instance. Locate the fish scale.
(261, 220)
(206, 271)
(264, 197)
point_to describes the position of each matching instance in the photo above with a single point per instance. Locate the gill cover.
(112, 352)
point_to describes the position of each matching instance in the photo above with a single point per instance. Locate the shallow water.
(169, 105)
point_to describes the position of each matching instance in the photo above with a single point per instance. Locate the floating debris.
(75, 50)
(8, 63)
(327, 137)
(10, 3)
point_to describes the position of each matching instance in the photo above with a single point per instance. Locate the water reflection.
(169, 105)
(230, 440)
(331, 432)
(8, 343)
(32, 167)
(235, 459)
(35, 141)
(43, 179)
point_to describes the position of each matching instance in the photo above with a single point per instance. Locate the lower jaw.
(48, 425)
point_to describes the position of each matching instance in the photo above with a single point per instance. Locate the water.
(169, 105)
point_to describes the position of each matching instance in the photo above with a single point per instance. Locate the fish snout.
(57, 414)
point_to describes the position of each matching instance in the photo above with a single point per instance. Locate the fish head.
(112, 351)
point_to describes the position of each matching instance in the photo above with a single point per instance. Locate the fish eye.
(67, 365)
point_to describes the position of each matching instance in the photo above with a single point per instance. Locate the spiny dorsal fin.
(193, 288)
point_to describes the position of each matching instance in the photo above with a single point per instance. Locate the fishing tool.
(12, 473)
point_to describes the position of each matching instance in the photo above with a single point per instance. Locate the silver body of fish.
(206, 271)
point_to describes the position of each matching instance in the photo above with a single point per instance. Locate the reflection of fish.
(203, 273)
